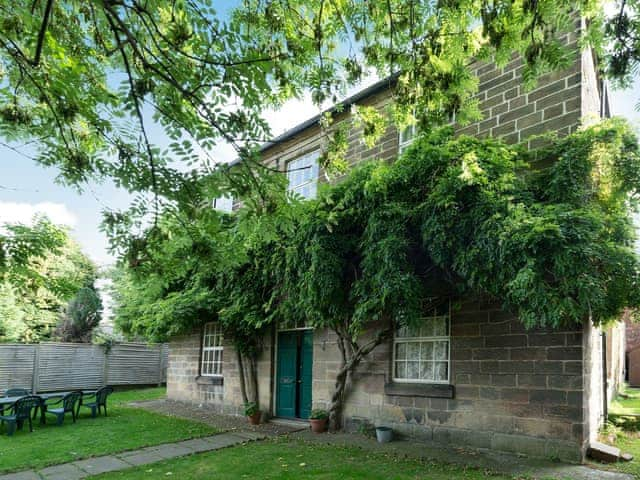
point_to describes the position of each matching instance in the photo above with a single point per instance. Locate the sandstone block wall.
(515, 390)
(184, 382)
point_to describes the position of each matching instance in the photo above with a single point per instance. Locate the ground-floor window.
(212, 349)
(421, 352)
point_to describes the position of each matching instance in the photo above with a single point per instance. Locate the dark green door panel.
(306, 374)
(286, 383)
(294, 381)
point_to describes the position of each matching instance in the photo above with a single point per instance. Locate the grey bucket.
(384, 434)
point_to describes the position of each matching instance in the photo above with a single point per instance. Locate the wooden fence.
(50, 367)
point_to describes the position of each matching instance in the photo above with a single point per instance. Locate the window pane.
(401, 351)
(441, 350)
(413, 351)
(212, 350)
(426, 371)
(441, 371)
(426, 351)
(413, 370)
(302, 174)
(420, 354)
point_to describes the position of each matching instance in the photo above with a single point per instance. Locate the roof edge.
(367, 92)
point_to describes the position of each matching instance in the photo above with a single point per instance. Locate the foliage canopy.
(81, 316)
(41, 269)
(85, 82)
(547, 232)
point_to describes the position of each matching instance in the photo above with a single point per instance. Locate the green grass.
(283, 460)
(125, 428)
(627, 436)
(626, 406)
(629, 442)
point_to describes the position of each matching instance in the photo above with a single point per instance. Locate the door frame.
(274, 396)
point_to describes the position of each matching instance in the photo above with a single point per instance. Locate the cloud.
(58, 213)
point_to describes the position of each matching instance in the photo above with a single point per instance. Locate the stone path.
(120, 461)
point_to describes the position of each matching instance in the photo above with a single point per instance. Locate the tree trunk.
(248, 378)
(243, 389)
(352, 355)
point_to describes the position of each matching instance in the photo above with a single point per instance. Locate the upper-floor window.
(212, 349)
(224, 204)
(406, 137)
(302, 174)
(421, 352)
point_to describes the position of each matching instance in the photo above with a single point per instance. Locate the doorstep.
(296, 423)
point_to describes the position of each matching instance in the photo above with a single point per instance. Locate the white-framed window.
(224, 204)
(405, 137)
(302, 174)
(212, 349)
(421, 353)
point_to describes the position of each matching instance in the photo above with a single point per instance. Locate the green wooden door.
(306, 374)
(287, 365)
(294, 380)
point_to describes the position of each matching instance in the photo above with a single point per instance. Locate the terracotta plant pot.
(255, 418)
(318, 425)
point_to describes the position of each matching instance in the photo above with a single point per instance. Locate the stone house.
(472, 376)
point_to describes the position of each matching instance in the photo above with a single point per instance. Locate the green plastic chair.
(69, 403)
(100, 401)
(21, 411)
(13, 392)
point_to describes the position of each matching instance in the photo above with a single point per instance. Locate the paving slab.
(197, 445)
(225, 440)
(140, 458)
(108, 463)
(66, 471)
(28, 475)
(171, 451)
(252, 436)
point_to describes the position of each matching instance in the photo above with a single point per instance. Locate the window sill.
(204, 380)
(433, 390)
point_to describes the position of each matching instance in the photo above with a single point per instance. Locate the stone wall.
(184, 370)
(184, 382)
(515, 390)
(510, 110)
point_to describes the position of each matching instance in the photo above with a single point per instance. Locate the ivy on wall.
(547, 232)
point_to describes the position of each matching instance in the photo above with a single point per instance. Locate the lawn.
(627, 437)
(125, 428)
(629, 403)
(283, 459)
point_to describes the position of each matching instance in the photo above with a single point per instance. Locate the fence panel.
(48, 367)
(134, 363)
(16, 366)
(68, 366)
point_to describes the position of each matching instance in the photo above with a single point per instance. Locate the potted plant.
(318, 420)
(252, 412)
